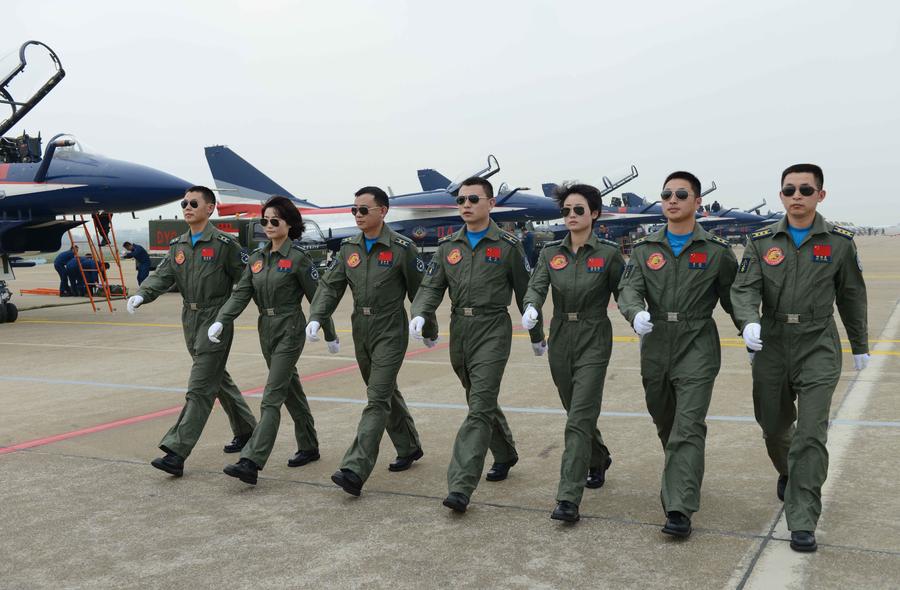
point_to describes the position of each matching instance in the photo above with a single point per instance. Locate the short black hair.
(682, 175)
(126, 244)
(482, 182)
(381, 198)
(287, 211)
(816, 171)
(590, 193)
(208, 195)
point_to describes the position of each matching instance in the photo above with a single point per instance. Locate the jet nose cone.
(144, 187)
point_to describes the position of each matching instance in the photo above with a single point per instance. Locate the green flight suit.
(580, 345)
(379, 280)
(205, 274)
(800, 360)
(681, 357)
(277, 282)
(481, 283)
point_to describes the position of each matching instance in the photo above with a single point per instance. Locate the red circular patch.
(454, 256)
(656, 261)
(353, 260)
(179, 257)
(774, 256)
(559, 262)
(257, 266)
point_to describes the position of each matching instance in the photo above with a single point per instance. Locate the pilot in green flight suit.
(681, 272)
(204, 263)
(796, 270)
(277, 277)
(382, 268)
(583, 271)
(481, 266)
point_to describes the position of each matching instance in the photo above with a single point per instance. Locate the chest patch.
(745, 264)
(774, 256)
(559, 262)
(207, 254)
(256, 266)
(821, 253)
(284, 265)
(179, 257)
(656, 261)
(596, 264)
(386, 258)
(454, 256)
(353, 260)
(697, 260)
(492, 254)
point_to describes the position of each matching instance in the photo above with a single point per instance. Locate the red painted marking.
(39, 442)
(4, 170)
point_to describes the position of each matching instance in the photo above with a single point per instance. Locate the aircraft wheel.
(12, 313)
(2, 313)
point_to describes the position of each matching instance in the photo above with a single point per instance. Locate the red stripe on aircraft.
(4, 170)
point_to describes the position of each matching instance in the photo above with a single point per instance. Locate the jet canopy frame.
(20, 108)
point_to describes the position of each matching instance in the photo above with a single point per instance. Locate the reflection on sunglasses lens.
(681, 193)
(192, 203)
(471, 198)
(265, 221)
(361, 210)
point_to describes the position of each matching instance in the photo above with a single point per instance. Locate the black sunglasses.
(362, 210)
(681, 193)
(471, 198)
(193, 204)
(578, 209)
(806, 190)
(267, 220)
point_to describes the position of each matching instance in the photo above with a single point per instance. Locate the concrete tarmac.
(86, 397)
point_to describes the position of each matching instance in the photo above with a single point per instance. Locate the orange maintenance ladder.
(104, 235)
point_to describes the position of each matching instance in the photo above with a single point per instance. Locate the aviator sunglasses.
(362, 210)
(193, 204)
(471, 198)
(267, 220)
(578, 209)
(681, 193)
(806, 190)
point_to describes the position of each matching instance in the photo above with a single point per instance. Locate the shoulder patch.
(509, 238)
(761, 234)
(843, 232)
(225, 239)
(174, 241)
(639, 242)
(347, 240)
(445, 238)
(609, 242)
(403, 242)
(553, 243)
(720, 241)
(260, 249)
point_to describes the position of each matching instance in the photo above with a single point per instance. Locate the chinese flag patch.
(492, 254)
(207, 253)
(285, 265)
(697, 260)
(822, 252)
(596, 264)
(385, 258)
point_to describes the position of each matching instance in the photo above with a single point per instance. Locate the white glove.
(431, 343)
(134, 303)
(214, 332)
(311, 331)
(751, 354)
(415, 327)
(539, 348)
(642, 323)
(751, 337)
(334, 346)
(529, 317)
(861, 361)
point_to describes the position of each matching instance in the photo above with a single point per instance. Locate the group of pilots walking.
(780, 296)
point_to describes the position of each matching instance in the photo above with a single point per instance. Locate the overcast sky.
(326, 97)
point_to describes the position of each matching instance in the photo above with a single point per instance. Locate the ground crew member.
(796, 269)
(204, 263)
(141, 259)
(482, 266)
(382, 268)
(59, 265)
(277, 277)
(583, 271)
(680, 272)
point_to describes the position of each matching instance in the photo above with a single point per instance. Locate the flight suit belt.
(279, 310)
(204, 305)
(799, 318)
(377, 309)
(574, 316)
(476, 311)
(678, 316)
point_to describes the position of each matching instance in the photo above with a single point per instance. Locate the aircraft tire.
(2, 313)
(12, 313)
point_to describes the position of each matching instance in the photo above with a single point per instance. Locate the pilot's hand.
(529, 317)
(134, 303)
(415, 327)
(642, 324)
(861, 361)
(214, 332)
(311, 331)
(429, 343)
(751, 337)
(539, 348)
(334, 346)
